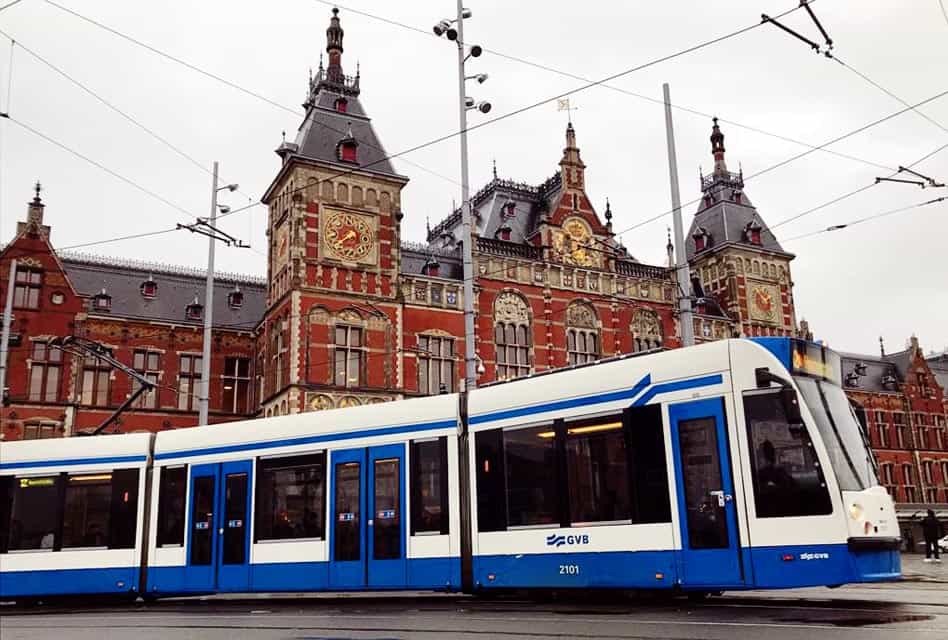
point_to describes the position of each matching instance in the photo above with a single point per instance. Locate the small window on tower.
(195, 310)
(102, 301)
(149, 288)
(342, 105)
(235, 299)
(347, 152)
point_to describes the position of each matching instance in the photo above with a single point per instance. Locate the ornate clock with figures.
(348, 237)
(572, 244)
(764, 303)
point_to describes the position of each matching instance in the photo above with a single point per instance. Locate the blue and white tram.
(732, 465)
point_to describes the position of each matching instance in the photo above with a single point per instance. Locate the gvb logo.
(560, 540)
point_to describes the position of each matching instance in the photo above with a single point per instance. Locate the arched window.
(511, 335)
(646, 330)
(582, 334)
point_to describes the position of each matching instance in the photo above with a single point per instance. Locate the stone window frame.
(511, 312)
(646, 330)
(583, 333)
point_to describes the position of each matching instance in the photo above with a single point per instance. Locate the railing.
(508, 249)
(729, 179)
(637, 270)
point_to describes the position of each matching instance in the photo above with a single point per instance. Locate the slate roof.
(323, 127)
(938, 363)
(416, 255)
(177, 288)
(724, 220)
(877, 367)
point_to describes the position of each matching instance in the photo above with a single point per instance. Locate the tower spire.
(571, 166)
(717, 148)
(334, 36)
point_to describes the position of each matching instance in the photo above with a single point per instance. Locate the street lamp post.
(467, 237)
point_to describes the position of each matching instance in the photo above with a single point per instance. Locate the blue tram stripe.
(291, 442)
(625, 394)
(70, 462)
(668, 387)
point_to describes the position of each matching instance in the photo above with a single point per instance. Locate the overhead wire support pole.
(467, 234)
(208, 310)
(681, 257)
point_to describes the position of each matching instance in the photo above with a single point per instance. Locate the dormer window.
(195, 310)
(149, 288)
(347, 151)
(342, 105)
(702, 239)
(432, 267)
(503, 233)
(102, 301)
(235, 298)
(752, 232)
(347, 148)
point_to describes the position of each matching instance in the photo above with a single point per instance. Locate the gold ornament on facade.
(348, 401)
(320, 402)
(571, 244)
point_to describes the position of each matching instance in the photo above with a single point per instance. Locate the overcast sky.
(887, 277)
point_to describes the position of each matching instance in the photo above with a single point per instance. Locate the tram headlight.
(856, 512)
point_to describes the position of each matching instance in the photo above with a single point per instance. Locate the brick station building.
(904, 407)
(350, 312)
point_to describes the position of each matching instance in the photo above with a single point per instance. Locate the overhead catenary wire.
(853, 223)
(611, 87)
(17, 43)
(225, 81)
(793, 158)
(99, 165)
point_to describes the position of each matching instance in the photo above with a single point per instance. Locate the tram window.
(649, 472)
(171, 495)
(123, 514)
(87, 509)
(6, 501)
(598, 472)
(788, 480)
(530, 462)
(429, 486)
(491, 487)
(35, 513)
(291, 498)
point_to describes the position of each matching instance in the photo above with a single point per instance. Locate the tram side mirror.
(791, 405)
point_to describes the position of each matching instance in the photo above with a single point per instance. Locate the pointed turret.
(571, 166)
(717, 149)
(334, 48)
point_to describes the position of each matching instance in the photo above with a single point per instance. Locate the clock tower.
(328, 337)
(740, 273)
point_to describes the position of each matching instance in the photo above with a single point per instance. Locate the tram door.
(367, 535)
(710, 553)
(218, 536)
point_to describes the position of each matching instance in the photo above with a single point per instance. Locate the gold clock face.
(571, 244)
(764, 303)
(348, 236)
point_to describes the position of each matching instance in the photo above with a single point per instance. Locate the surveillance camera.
(466, 13)
(481, 78)
(232, 187)
(223, 208)
(483, 107)
(469, 102)
(441, 27)
(452, 33)
(476, 51)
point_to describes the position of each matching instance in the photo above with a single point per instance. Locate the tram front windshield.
(817, 371)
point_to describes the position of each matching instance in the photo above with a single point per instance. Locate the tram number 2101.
(569, 569)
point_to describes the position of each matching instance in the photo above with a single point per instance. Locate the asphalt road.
(915, 610)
